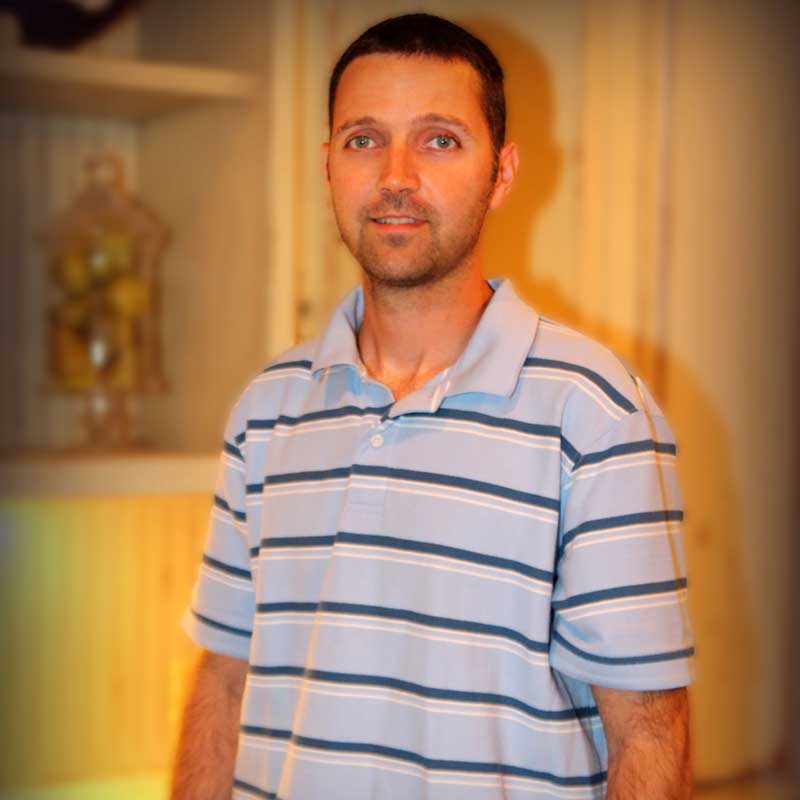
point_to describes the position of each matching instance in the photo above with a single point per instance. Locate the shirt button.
(376, 440)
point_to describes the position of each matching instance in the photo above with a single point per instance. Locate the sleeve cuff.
(215, 636)
(669, 670)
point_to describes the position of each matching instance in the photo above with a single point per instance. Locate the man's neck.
(410, 334)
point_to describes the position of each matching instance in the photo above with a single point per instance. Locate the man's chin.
(400, 276)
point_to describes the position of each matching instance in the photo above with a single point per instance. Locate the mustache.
(398, 204)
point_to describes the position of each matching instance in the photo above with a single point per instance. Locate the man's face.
(409, 165)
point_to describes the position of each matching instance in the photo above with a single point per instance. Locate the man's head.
(413, 163)
(427, 35)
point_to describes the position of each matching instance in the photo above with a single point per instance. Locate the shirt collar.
(491, 362)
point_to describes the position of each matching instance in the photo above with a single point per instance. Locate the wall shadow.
(729, 667)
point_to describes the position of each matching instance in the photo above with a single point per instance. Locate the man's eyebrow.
(422, 119)
(443, 119)
(355, 123)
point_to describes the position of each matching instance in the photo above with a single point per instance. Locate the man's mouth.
(397, 222)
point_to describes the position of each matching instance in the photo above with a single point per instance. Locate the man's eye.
(359, 142)
(443, 142)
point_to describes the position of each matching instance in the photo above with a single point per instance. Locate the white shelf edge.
(127, 88)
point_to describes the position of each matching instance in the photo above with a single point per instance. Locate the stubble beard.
(382, 258)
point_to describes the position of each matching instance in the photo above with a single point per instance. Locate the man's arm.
(204, 760)
(648, 743)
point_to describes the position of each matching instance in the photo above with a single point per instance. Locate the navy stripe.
(221, 565)
(644, 446)
(622, 521)
(414, 475)
(473, 767)
(260, 424)
(287, 364)
(639, 590)
(350, 679)
(571, 452)
(598, 380)
(673, 655)
(383, 612)
(220, 502)
(273, 733)
(222, 626)
(240, 438)
(411, 545)
(233, 450)
(296, 541)
(309, 475)
(248, 787)
(315, 416)
(458, 483)
(533, 428)
(332, 413)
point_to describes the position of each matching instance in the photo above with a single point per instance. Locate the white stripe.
(462, 426)
(303, 487)
(453, 777)
(323, 552)
(602, 537)
(387, 694)
(584, 384)
(675, 597)
(654, 459)
(216, 575)
(260, 436)
(224, 516)
(280, 374)
(386, 483)
(405, 628)
(266, 555)
(232, 462)
(557, 327)
(315, 426)
(520, 581)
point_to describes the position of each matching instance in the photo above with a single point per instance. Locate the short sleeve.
(220, 616)
(619, 602)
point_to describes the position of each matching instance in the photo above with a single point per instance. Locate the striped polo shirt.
(426, 590)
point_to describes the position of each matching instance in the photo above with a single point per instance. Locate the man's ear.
(507, 166)
(325, 172)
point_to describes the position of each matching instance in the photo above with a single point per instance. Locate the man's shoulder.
(561, 346)
(265, 391)
(601, 389)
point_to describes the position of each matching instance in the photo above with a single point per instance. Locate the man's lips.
(397, 222)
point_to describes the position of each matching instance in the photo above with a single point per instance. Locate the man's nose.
(399, 170)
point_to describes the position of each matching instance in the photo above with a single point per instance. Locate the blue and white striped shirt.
(426, 590)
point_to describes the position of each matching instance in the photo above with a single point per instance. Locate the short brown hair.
(428, 35)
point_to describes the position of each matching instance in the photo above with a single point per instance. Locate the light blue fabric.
(426, 590)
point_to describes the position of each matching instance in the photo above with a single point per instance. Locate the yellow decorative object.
(127, 295)
(71, 359)
(119, 248)
(101, 264)
(73, 312)
(104, 253)
(72, 273)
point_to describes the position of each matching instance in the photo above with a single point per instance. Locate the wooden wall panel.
(92, 590)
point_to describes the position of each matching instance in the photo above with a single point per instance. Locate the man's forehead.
(384, 85)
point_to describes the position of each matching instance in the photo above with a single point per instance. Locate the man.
(444, 559)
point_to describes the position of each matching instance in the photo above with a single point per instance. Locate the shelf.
(53, 475)
(125, 89)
